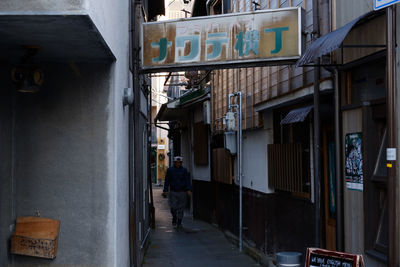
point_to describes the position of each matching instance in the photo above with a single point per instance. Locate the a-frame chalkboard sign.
(317, 257)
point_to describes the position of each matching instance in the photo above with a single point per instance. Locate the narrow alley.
(196, 244)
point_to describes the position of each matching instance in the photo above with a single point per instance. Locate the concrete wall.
(255, 171)
(64, 161)
(41, 5)
(6, 181)
(111, 19)
(72, 145)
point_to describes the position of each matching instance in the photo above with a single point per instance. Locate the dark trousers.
(177, 202)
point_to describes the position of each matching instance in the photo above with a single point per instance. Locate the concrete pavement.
(196, 244)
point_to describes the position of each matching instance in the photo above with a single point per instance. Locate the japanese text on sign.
(258, 36)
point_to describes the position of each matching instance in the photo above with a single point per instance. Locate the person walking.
(177, 182)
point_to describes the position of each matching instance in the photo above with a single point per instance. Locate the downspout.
(136, 172)
(130, 156)
(392, 186)
(338, 168)
(317, 131)
(150, 182)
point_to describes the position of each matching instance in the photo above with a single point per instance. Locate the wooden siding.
(285, 167)
(200, 146)
(261, 84)
(353, 208)
(222, 166)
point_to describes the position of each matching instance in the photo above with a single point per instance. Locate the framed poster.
(354, 161)
(317, 257)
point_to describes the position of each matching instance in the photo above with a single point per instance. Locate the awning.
(194, 97)
(329, 42)
(296, 115)
(169, 111)
(177, 109)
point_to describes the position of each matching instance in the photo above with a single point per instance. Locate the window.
(365, 83)
(200, 146)
(289, 156)
(375, 188)
(217, 7)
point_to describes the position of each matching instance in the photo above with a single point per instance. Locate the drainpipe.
(392, 186)
(134, 131)
(130, 153)
(317, 130)
(338, 168)
(239, 160)
(150, 182)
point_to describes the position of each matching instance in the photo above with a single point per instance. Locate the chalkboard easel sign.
(317, 257)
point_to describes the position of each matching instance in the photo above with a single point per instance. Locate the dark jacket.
(177, 179)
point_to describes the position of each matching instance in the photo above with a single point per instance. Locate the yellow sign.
(234, 40)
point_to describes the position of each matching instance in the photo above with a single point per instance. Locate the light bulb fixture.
(27, 77)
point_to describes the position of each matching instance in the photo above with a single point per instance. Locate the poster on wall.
(354, 162)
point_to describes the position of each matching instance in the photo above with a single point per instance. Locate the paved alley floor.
(197, 244)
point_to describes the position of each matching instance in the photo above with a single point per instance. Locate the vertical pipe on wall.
(338, 168)
(130, 143)
(317, 130)
(392, 187)
(239, 94)
(149, 141)
(136, 172)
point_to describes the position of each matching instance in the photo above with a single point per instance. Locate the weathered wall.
(41, 5)
(255, 171)
(111, 18)
(262, 85)
(268, 219)
(200, 172)
(6, 181)
(353, 211)
(63, 161)
(72, 143)
(346, 10)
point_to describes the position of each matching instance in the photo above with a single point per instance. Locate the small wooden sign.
(36, 237)
(317, 257)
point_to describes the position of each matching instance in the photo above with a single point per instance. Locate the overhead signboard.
(378, 4)
(268, 37)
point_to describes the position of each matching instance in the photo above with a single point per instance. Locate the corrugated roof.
(296, 115)
(328, 42)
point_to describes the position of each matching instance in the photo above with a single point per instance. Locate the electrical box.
(230, 121)
(230, 141)
(207, 112)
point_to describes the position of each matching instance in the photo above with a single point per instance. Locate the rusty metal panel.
(244, 39)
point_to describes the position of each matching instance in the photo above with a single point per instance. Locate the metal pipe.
(239, 159)
(240, 172)
(392, 186)
(229, 101)
(135, 130)
(317, 130)
(145, 238)
(338, 167)
(130, 153)
(150, 182)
